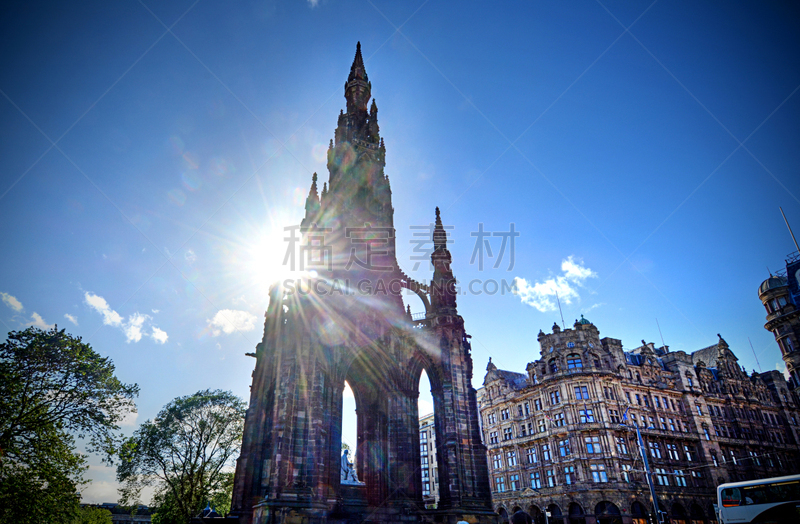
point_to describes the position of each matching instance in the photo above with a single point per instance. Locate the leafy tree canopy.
(53, 388)
(91, 515)
(187, 452)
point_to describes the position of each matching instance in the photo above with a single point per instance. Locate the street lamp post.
(648, 476)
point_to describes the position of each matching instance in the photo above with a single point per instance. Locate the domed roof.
(771, 283)
(583, 321)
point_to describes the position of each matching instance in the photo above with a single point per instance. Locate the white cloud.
(155, 311)
(12, 302)
(133, 327)
(99, 304)
(542, 295)
(72, 319)
(313, 3)
(159, 335)
(129, 419)
(229, 320)
(37, 321)
(190, 256)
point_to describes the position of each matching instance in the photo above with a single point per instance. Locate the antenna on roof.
(563, 325)
(754, 354)
(790, 228)
(659, 333)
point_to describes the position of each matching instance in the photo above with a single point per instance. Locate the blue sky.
(152, 154)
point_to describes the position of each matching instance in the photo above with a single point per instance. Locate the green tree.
(92, 515)
(187, 452)
(53, 389)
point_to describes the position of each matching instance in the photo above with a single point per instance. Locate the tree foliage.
(92, 515)
(53, 388)
(187, 452)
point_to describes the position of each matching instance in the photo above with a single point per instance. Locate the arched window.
(576, 515)
(607, 513)
(574, 361)
(678, 514)
(638, 513)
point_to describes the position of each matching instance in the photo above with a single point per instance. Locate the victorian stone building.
(345, 321)
(429, 471)
(561, 436)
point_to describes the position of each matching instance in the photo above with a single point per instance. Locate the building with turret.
(562, 437)
(780, 294)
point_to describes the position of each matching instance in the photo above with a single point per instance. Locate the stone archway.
(607, 513)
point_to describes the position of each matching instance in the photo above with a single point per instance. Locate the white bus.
(762, 501)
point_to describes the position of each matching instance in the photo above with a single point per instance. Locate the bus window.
(731, 497)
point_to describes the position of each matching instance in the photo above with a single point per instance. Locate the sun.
(272, 257)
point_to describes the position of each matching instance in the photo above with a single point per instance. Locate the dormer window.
(574, 361)
(553, 366)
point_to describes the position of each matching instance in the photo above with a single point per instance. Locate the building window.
(689, 381)
(586, 416)
(626, 472)
(522, 431)
(598, 472)
(425, 473)
(698, 479)
(508, 434)
(569, 475)
(714, 459)
(500, 485)
(622, 447)
(536, 480)
(424, 460)
(513, 481)
(656, 402)
(553, 366)
(555, 397)
(570, 344)
(672, 451)
(593, 445)
(705, 432)
(423, 436)
(511, 458)
(688, 452)
(651, 423)
(558, 419)
(527, 408)
(491, 419)
(551, 477)
(581, 392)
(423, 449)
(613, 414)
(563, 448)
(574, 362)
(638, 399)
(666, 404)
(608, 393)
(532, 458)
(754, 458)
(497, 462)
(628, 396)
(699, 411)
(493, 437)
(542, 426)
(545, 452)
(504, 414)
(671, 425)
(661, 476)
(663, 422)
(655, 449)
(646, 400)
(426, 488)
(537, 404)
